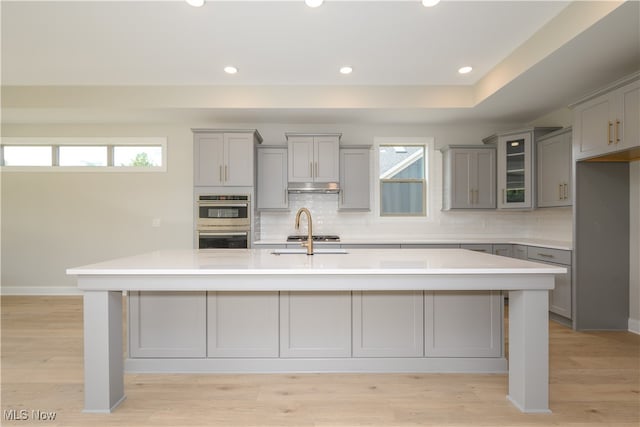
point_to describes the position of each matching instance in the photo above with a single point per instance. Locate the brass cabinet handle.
(226, 174)
(220, 174)
(546, 255)
(504, 197)
(311, 169)
(616, 131)
(609, 140)
(560, 195)
(566, 190)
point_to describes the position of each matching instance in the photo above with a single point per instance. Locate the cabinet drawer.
(557, 256)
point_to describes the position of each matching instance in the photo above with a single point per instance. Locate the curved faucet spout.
(309, 242)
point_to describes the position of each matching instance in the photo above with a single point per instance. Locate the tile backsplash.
(553, 223)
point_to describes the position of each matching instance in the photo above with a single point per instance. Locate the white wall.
(53, 221)
(634, 252)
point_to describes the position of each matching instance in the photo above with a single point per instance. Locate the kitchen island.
(321, 299)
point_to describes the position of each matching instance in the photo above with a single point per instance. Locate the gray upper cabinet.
(554, 169)
(355, 191)
(272, 179)
(469, 177)
(515, 161)
(224, 157)
(313, 158)
(607, 121)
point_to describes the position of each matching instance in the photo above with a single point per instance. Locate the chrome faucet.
(309, 242)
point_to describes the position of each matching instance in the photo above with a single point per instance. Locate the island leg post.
(103, 357)
(529, 350)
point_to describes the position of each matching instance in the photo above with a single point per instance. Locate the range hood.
(314, 187)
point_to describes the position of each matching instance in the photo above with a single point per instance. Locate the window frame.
(428, 145)
(110, 142)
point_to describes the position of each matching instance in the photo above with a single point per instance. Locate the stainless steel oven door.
(215, 214)
(223, 239)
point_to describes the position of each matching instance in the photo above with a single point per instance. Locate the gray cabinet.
(560, 297)
(315, 324)
(388, 324)
(355, 191)
(554, 168)
(272, 179)
(242, 324)
(478, 247)
(463, 324)
(503, 250)
(469, 177)
(607, 121)
(519, 251)
(313, 158)
(515, 161)
(224, 157)
(167, 324)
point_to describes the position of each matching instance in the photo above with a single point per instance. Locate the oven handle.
(224, 205)
(213, 234)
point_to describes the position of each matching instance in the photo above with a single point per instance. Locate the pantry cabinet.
(608, 121)
(313, 157)
(469, 177)
(272, 179)
(560, 296)
(554, 169)
(224, 157)
(355, 191)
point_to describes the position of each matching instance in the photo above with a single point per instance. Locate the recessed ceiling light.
(313, 3)
(195, 3)
(430, 3)
(230, 69)
(465, 70)
(346, 69)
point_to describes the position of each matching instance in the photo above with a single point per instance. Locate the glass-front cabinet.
(515, 186)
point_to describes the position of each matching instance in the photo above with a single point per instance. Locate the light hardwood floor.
(594, 380)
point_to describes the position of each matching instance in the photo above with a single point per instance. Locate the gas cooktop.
(315, 237)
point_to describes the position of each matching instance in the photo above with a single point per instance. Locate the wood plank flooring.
(594, 381)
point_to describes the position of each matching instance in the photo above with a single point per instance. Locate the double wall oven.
(223, 221)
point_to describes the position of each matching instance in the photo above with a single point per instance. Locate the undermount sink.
(304, 251)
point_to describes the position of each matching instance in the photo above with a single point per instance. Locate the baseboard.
(39, 290)
(634, 326)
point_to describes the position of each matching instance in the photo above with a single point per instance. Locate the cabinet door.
(167, 324)
(554, 171)
(463, 324)
(242, 324)
(354, 179)
(315, 324)
(503, 250)
(461, 179)
(300, 156)
(478, 247)
(272, 178)
(560, 296)
(326, 159)
(592, 126)
(209, 159)
(238, 167)
(629, 130)
(519, 251)
(514, 171)
(484, 174)
(388, 324)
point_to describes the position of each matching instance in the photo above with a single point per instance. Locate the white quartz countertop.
(208, 262)
(543, 243)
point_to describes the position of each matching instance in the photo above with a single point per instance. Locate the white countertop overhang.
(359, 269)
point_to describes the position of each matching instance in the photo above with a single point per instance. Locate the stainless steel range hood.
(314, 187)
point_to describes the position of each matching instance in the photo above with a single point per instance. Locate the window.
(402, 175)
(83, 154)
(29, 155)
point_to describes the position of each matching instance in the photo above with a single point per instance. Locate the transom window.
(402, 176)
(83, 154)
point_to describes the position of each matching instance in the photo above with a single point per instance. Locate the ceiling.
(101, 61)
